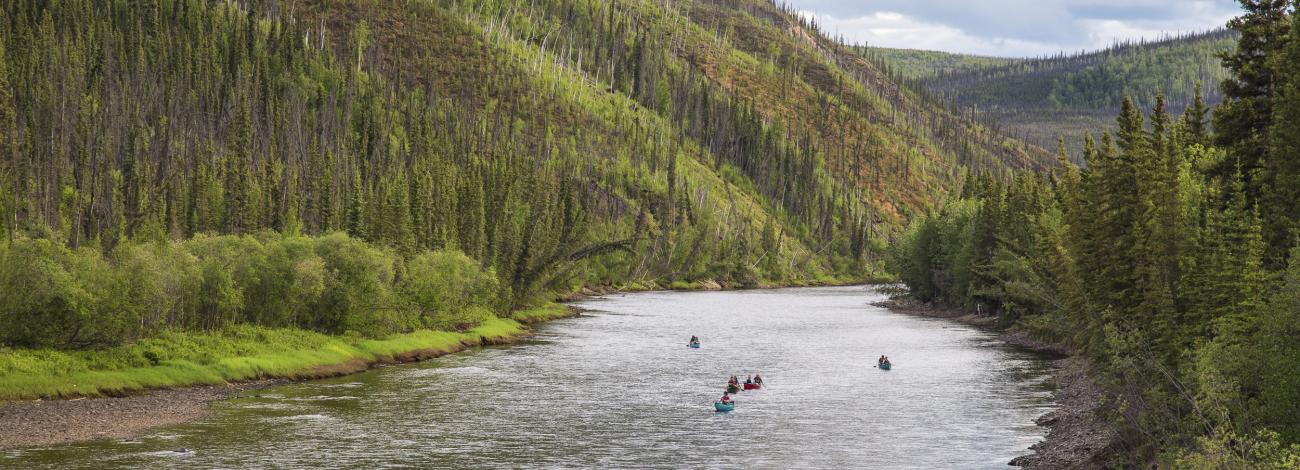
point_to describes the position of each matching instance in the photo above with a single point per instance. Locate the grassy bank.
(237, 353)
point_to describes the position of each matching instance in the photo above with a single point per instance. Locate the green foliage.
(448, 289)
(55, 296)
(234, 353)
(366, 169)
(1158, 261)
(314, 119)
(1263, 452)
(914, 64)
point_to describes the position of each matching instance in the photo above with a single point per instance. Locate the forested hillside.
(911, 65)
(1170, 261)
(1039, 100)
(160, 157)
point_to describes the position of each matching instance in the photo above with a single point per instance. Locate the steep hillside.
(181, 117)
(367, 169)
(1041, 99)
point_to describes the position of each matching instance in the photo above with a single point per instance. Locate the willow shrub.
(55, 296)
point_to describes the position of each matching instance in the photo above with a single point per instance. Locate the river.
(617, 387)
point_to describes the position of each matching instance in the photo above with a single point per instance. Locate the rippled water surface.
(618, 388)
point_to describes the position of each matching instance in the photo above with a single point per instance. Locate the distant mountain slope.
(915, 64)
(1041, 99)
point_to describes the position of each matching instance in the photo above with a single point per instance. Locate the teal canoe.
(884, 366)
(694, 345)
(720, 406)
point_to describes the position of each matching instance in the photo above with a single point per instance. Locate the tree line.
(1171, 260)
(554, 143)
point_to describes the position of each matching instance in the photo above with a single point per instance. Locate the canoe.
(753, 386)
(884, 366)
(720, 406)
(732, 388)
(694, 345)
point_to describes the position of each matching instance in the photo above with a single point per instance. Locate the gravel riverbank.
(1077, 437)
(51, 422)
(46, 422)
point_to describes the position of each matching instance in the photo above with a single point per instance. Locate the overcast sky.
(1012, 28)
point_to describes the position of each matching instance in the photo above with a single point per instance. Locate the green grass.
(684, 285)
(544, 313)
(236, 354)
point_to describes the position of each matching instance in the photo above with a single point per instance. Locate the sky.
(1012, 28)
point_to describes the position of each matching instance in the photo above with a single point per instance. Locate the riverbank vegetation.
(367, 170)
(235, 353)
(1170, 260)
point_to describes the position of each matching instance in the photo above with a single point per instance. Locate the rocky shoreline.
(1077, 437)
(52, 422)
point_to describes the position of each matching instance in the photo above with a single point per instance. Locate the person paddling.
(694, 340)
(758, 380)
(726, 398)
(750, 380)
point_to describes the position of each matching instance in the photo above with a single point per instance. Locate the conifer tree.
(1280, 204)
(9, 169)
(1243, 122)
(238, 205)
(356, 222)
(470, 210)
(1194, 119)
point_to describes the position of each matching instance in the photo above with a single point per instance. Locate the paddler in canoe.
(733, 385)
(757, 379)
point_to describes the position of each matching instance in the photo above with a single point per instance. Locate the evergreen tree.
(1279, 205)
(471, 214)
(356, 221)
(9, 170)
(238, 206)
(1194, 119)
(1243, 122)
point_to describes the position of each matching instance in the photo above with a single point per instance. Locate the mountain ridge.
(1066, 95)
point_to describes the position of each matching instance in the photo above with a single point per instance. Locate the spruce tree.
(1244, 121)
(471, 214)
(1280, 205)
(9, 173)
(1194, 120)
(356, 220)
(237, 181)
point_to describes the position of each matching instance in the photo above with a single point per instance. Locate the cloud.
(1013, 28)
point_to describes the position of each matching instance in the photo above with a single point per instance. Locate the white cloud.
(1013, 28)
(891, 29)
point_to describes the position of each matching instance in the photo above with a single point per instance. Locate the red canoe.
(753, 386)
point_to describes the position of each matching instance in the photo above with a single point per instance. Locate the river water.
(617, 387)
